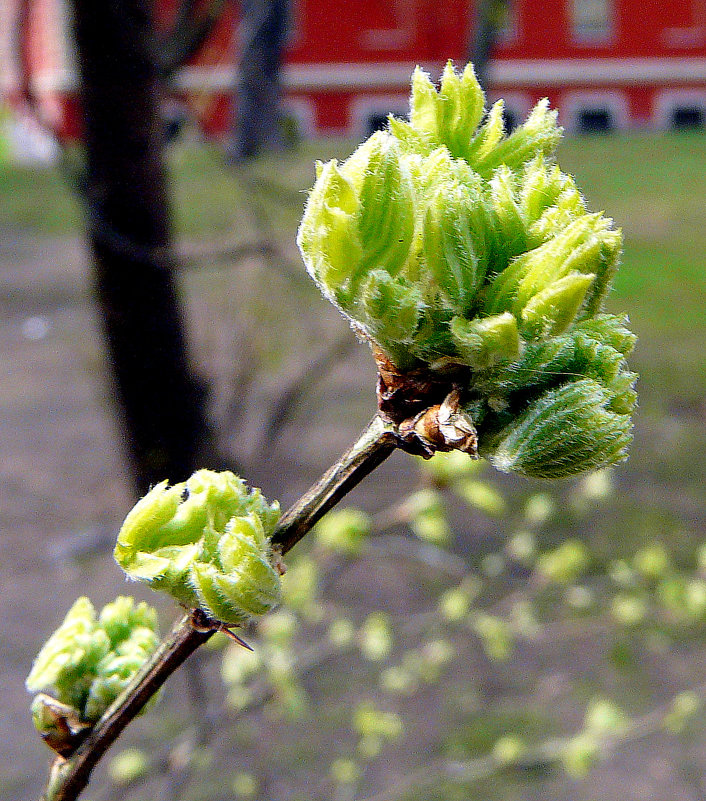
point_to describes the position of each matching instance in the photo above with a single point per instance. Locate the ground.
(65, 488)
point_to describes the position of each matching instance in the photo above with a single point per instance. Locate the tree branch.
(69, 776)
(375, 444)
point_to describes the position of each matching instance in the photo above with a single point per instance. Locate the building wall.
(630, 62)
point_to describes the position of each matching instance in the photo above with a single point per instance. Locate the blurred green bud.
(244, 785)
(481, 496)
(89, 660)
(128, 766)
(369, 720)
(341, 632)
(345, 771)
(564, 564)
(603, 718)
(455, 603)
(629, 610)
(279, 628)
(566, 431)
(427, 516)
(239, 665)
(464, 253)
(492, 565)
(376, 637)
(496, 636)
(524, 619)
(622, 573)
(539, 508)
(684, 708)
(435, 655)
(399, 681)
(445, 468)
(652, 562)
(672, 592)
(522, 546)
(300, 584)
(508, 750)
(292, 700)
(596, 486)
(205, 542)
(344, 530)
(580, 754)
(696, 599)
(579, 597)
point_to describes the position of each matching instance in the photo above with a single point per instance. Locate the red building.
(606, 64)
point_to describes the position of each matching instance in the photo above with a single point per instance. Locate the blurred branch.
(299, 385)
(190, 30)
(547, 754)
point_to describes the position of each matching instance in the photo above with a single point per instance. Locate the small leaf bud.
(128, 766)
(508, 750)
(566, 431)
(376, 637)
(344, 530)
(88, 661)
(205, 542)
(565, 563)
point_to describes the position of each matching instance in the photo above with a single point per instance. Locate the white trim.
(574, 103)
(668, 100)
(363, 107)
(512, 73)
(615, 71)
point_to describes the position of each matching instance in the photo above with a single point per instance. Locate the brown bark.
(129, 232)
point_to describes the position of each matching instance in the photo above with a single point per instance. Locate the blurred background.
(465, 634)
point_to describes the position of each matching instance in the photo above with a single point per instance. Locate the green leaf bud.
(564, 564)
(580, 754)
(603, 717)
(376, 637)
(244, 785)
(89, 660)
(508, 750)
(455, 603)
(300, 584)
(344, 530)
(566, 431)
(685, 706)
(652, 562)
(345, 771)
(485, 342)
(449, 117)
(628, 609)
(496, 636)
(467, 258)
(341, 632)
(369, 720)
(205, 542)
(445, 468)
(551, 311)
(128, 766)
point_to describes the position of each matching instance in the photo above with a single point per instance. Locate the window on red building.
(591, 20)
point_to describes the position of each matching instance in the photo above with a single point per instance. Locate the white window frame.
(666, 102)
(573, 104)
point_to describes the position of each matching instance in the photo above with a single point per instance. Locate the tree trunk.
(129, 232)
